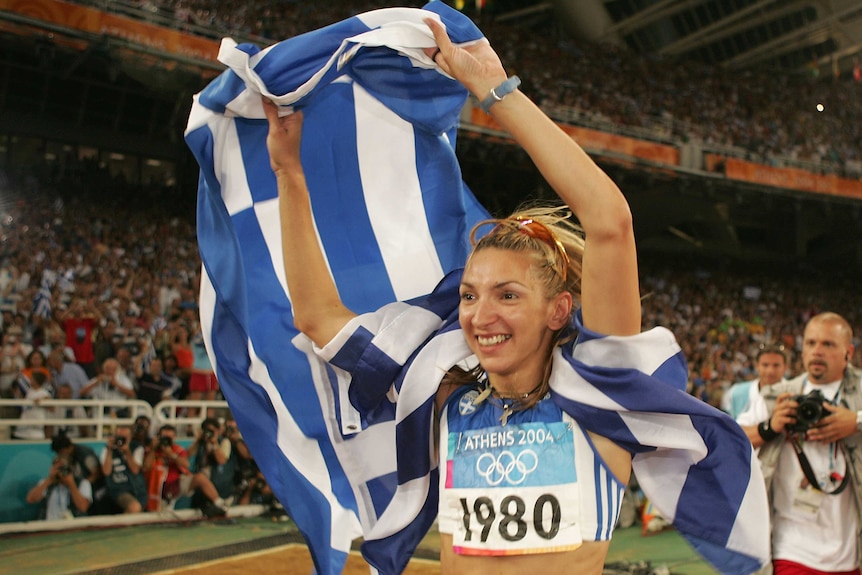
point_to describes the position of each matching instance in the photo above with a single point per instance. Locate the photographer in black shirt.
(214, 464)
(123, 469)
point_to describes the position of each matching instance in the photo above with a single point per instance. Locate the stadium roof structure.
(791, 35)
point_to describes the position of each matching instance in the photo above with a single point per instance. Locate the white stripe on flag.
(400, 227)
(305, 455)
(230, 168)
(269, 220)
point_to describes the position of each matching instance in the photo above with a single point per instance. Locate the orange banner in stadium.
(95, 22)
(601, 141)
(788, 178)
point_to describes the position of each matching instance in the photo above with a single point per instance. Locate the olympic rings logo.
(507, 466)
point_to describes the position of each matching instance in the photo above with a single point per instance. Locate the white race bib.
(513, 490)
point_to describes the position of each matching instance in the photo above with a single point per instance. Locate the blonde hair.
(558, 271)
(557, 258)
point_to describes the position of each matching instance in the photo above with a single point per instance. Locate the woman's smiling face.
(507, 318)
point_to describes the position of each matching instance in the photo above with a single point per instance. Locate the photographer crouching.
(810, 457)
(61, 495)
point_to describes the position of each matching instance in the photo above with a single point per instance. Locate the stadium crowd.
(136, 270)
(98, 295)
(760, 115)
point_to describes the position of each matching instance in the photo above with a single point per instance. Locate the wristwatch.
(765, 431)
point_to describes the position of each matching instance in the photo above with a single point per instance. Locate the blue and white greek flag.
(392, 213)
(42, 299)
(393, 217)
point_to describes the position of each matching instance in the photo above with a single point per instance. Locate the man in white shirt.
(816, 496)
(109, 384)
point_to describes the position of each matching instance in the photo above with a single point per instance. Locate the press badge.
(513, 490)
(807, 501)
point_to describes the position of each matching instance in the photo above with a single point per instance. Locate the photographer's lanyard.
(809, 473)
(833, 449)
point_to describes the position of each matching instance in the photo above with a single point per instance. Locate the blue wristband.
(499, 93)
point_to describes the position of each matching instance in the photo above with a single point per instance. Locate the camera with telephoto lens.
(165, 441)
(809, 412)
(209, 433)
(119, 441)
(64, 471)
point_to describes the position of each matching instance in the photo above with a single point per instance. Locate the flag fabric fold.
(393, 218)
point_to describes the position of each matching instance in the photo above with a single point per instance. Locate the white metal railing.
(186, 414)
(103, 416)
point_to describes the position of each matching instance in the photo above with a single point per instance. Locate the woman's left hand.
(476, 66)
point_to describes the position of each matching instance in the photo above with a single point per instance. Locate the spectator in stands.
(109, 385)
(36, 391)
(79, 321)
(13, 360)
(169, 294)
(127, 356)
(202, 381)
(131, 331)
(107, 341)
(61, 493)
(8, 285)
(35, 363)
(56, 339)
(66, 372)
(153, 386)
(181, 349)
(13, 354)
(122, 465)
(170, 372)
(213, 457)
(164, 335)
(64, 392)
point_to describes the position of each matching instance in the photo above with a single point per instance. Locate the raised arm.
(318, 311)
(610, 296)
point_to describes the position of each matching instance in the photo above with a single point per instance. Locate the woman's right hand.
(284, 138)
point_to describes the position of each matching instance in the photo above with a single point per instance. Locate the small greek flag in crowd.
(393, 217)
(42, 299)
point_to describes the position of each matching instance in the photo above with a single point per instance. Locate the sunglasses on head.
(542, 233)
